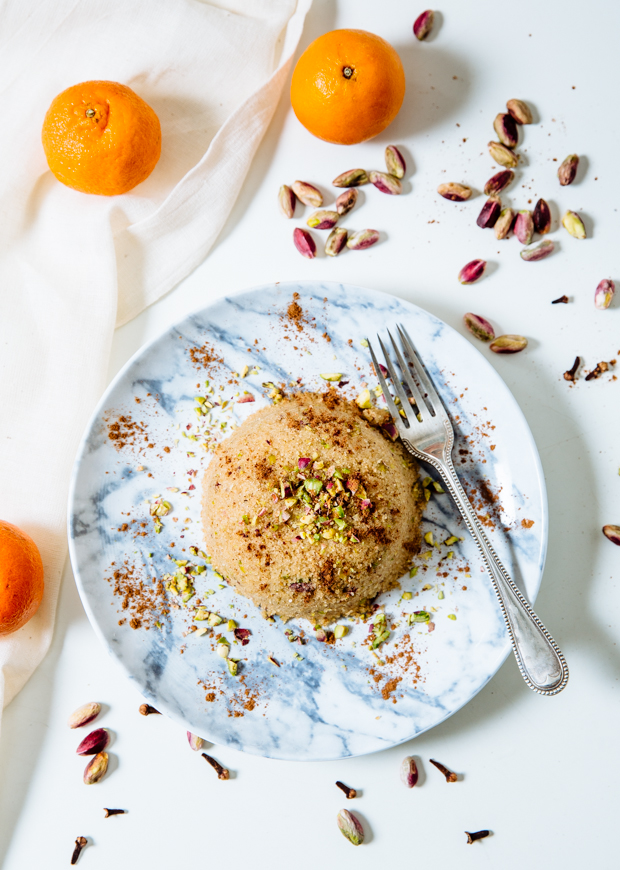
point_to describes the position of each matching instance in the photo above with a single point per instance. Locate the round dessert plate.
(163, 611)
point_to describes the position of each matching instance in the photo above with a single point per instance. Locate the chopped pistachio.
(231, 625)
(451, 616)
(440, 595)
(438, 487)
(451, 540)
(332, 376)
(407, 596)
(340, 631)
(215, 619)
(428, 537)
(233, 667)
(413, 571)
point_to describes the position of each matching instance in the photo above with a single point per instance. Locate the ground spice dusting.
(146, 604)
(205, 357)
(125, 432)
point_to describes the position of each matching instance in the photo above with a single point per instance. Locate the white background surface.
(540, 773)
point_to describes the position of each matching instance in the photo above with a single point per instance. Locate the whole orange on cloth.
(21, 578)
(101, 137)
(347, 86)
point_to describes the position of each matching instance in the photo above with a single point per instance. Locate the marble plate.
(323, 701)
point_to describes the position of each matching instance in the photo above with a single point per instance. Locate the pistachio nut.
(351, 178)
(304, 243)
(195, 741)
(498, 182)
(454, 191)
(504, 223)
(395, 162)
(351, 827)
(524, 227)
(409, 771)
(490, 212)
(520, 111)
(323, 219)
(508, 344)
(384, 182)
(336, 241)
(287, 200)
(346, 201)
(94, 742)
(307, 193)
(538, 252)
(340, 631)
(573, 224)
(503, 155)
(613, 533)
(604, 293)
(233, 669)
(472, 271)
(331, 376)
(568, 169)
(506, 129)
(362, 239)
(96, 768)
(423, 24)
(542, 217)
(84, 714)
(479, 327)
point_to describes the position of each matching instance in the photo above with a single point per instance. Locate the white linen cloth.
(72, 265)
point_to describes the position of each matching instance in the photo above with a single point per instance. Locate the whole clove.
(472, 836)
(449, 775)
(146, 710)
(559, 299)
(222, 772)
(79, 845)
(349, 792)
(571, 373)
(108, 812)
(596, 372)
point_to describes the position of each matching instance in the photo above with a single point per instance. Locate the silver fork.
(426, 431)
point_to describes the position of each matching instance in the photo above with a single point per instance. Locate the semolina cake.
(311, 511)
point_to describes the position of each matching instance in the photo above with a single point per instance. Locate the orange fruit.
(101, 137)
(21, 578)
(347, 86)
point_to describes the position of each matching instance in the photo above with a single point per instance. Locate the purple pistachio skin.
(471, 272)
(489, 214)
(612, 533)
(304, 243)
(538, 252)
(568, 169)
(479, 326)
(423, 24)
(498, 182)
(94, 742)
(604, 293)
(542, 217)
(524, 227)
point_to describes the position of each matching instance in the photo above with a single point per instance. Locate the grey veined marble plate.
(323, 701)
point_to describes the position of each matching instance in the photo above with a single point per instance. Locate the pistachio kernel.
(538, 252)
(503, 155)
(423, 24)
(524, 227)
(307, 193)
(454, 191)
(385, 183)
(472, 272)
(395, 162)
(519, 111)
(604, 293)
(612, 533)
(286, 201)
(350, 827)
(504, 223)
(508, 344)
(568, 169)
(573, 224)
(351, 178)
(479, 327)
(506, 129)
(336, 241)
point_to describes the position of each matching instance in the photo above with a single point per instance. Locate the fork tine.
(398, 387)
(388, 396)
(422, 406)
(423, 377)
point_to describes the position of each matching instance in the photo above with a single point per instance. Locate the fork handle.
(539, 658)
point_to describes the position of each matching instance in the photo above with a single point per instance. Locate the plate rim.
(94, 416)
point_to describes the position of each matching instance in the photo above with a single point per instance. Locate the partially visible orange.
(21, 578)
(347, 86)
(101, 137)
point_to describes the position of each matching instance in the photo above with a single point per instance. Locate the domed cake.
(310, 511)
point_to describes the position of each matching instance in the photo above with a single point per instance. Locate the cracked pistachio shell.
(506, 129)
(336, 241)
(520, 111)
(490, 212)
(304, 243)
(568, 169)
(409, 771)
(363, 239)
(307, 193)
(542, 217)
(96, 768)
(498, 182)
(351, 827)
(94, 742)
(538, 252)
(395, 162)
(573, 224)
(423, 24)
(604, 293)
(346, 201)
(195, 741)
(613, 533)
(502, 155)
(287, 200)
(385, 183)
(323, 219)
(84, 714)
(472, 271)
(524, 227)
(504, 223)
(508, 344)
(454, 191)
(351, 178)
(479, 327)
